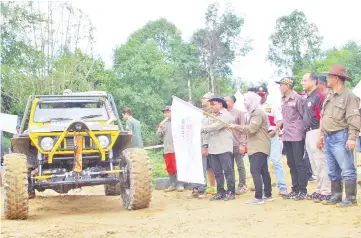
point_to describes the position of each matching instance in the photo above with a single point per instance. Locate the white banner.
(186, 130)
(8, 123)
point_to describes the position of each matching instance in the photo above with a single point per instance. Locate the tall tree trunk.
(189, 89)
(211, 75)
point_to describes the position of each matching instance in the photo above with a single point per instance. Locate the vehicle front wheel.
(16, 186)
(135, 179)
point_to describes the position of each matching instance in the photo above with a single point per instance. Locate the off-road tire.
(112, 189)
(16, 187)
(139, 174)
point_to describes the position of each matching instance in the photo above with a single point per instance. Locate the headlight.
(103, 141)
(47, 143)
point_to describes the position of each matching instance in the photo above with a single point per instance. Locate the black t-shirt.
(312, 110)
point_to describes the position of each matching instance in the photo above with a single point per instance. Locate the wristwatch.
(205, 146)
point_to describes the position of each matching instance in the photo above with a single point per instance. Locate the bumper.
(82, 182)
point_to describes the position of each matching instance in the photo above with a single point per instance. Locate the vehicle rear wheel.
(16, 186)
(136, 179)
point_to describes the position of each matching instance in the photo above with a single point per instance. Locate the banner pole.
(204, 113)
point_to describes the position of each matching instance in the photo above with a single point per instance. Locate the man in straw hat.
(340, 125)
(220, 149)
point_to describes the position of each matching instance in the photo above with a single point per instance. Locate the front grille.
(68, 143)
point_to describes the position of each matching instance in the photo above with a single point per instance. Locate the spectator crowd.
(318, 130)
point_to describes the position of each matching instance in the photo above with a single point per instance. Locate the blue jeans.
(358, 144)
(275, 156)
(340, 160)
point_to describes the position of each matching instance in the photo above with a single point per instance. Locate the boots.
(336, 193)
(351, 191)
(173, 183)
(180, 186)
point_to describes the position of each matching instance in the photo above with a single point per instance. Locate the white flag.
(186, 130)
(8, 123)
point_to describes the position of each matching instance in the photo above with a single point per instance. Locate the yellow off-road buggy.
(70, 141)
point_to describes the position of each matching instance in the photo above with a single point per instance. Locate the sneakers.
(291, 195)
(241, 189)
(218, 196)
(321, 198)
(267, 199)
(282, 192)
(255, 201)
(194, 194)
(301, 196)
(202, 195)
(229, 196)
(211, 190)
(313, 196)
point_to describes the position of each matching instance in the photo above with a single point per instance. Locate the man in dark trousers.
(239, 143)
(220, 148)
(293, 138)
(340, 125)
(311, 119)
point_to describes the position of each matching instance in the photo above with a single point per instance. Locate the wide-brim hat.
(219, 99)
(339, 71)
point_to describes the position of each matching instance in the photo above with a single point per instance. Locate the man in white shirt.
(274, 115)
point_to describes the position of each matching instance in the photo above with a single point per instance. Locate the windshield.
(63, 111)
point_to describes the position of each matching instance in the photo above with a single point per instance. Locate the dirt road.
(91, 214)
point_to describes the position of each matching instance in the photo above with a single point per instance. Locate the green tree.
(32, 43)
(348, 56)
(219, 42)
(295, 44)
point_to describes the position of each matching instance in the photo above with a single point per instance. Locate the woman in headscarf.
(258, 145)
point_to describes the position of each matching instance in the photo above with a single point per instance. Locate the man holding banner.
(220, 147)
(165, 133)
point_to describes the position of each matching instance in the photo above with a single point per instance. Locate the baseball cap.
(262, 90)
(288, 81)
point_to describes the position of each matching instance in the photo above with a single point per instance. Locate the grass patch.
(157, 163)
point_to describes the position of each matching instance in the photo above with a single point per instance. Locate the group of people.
(322, 124)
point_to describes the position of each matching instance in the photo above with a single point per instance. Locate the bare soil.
(91, 214)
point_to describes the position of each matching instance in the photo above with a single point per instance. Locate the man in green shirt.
(133, 125)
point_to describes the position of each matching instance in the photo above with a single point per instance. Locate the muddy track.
(91, 214)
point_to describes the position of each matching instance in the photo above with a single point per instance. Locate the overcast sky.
(337, 21)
